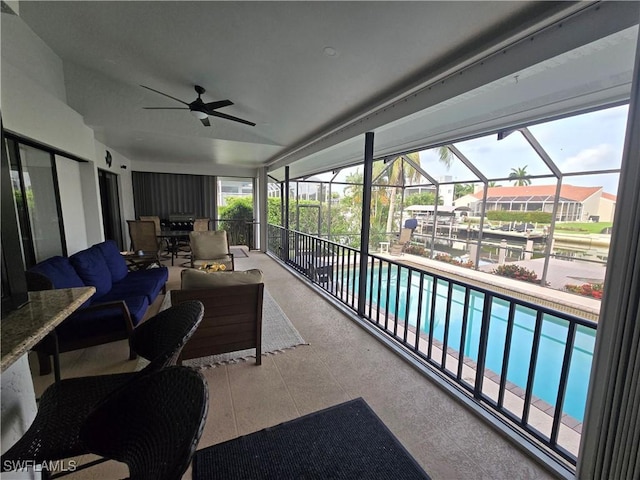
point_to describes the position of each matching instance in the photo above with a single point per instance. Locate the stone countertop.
(22, 329)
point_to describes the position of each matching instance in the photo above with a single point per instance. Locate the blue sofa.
(119, 304)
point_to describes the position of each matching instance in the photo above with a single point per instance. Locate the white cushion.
(209, 245)
(198, 279)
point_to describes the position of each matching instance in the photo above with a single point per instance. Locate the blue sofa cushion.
(60, 271)
(149, 282)
(115, 261)
(89, 323)
(93, 270)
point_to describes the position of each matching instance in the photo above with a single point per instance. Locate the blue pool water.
(551, 349)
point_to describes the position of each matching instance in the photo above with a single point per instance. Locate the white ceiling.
(268, 58)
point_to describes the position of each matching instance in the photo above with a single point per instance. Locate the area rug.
(278, 335)
(344, 442)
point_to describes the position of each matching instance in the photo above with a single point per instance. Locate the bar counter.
(22, 329)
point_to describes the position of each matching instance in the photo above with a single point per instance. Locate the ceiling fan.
(200, 109)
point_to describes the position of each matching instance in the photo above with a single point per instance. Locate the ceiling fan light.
(199, 115)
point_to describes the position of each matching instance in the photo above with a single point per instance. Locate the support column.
(610, 446)
(366, 221)
(262, 218)
(285, 216)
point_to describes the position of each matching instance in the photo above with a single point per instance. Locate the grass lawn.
(582, 227)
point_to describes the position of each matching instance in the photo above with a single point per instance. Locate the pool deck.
(583, 307)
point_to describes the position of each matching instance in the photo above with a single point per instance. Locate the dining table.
(173, 237)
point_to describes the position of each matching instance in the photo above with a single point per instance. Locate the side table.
(136, 261)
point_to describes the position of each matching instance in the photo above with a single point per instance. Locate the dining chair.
(201, 224)
(152, 218)
(164, 244)
(143, 237)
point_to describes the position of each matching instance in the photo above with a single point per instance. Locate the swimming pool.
(552, 344)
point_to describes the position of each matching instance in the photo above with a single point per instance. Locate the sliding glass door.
(35, 190)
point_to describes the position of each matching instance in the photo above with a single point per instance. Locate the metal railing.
(239, 232)
(529, 363)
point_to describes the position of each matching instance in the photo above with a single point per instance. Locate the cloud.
(600, 157)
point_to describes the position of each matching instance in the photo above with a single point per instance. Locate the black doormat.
(347, 441)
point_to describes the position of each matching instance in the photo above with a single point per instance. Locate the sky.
(582, 143)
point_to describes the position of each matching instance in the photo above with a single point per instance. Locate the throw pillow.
(92, 269)
(115, 261)
(60, 271)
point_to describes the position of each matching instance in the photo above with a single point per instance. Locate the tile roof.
(609, 196)
(567, 192)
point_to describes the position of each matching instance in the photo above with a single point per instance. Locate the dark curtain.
(166, 194)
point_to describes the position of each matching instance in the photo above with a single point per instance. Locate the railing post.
(366, 219)
(482, 346)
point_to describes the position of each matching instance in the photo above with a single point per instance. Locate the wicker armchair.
(64, 406)
(232, 311)
(152, 424)
(211, 247)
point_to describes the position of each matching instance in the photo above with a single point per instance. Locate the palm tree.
(400, 173)
(462, 189)
(445, 156)
(519, 176)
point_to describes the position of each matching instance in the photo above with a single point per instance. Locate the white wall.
(591, 206)
(73, 213)
(32, 112)
(28, 53)
(606, 210)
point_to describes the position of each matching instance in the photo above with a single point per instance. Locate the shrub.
(517, 272)
(415, 250)
(519, 217)
(443, 257)
(593, 290)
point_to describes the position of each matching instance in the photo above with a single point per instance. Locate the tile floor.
(342, 361)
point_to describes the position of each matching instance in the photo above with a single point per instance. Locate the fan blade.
(205, 122)
(218, 104)
(165, 108)
(173, 98)
(229, 117)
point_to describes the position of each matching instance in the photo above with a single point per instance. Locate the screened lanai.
(509, 193)
(532, 201)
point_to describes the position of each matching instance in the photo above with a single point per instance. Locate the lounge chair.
(398, 247)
